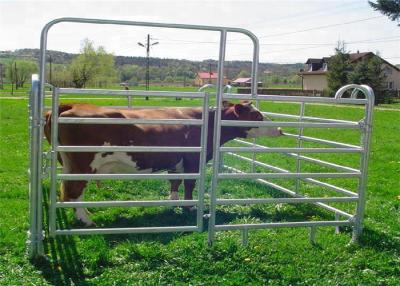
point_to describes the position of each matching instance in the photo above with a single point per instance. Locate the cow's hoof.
(190, 209)
(88, 223)
(174, 196)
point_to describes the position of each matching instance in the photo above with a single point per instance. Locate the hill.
(233, 68)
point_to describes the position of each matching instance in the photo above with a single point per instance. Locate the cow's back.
(125, 135)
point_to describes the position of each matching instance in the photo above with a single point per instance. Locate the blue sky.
(289, 30)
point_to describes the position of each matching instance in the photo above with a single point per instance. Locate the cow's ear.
(240, 109)
(227, 104)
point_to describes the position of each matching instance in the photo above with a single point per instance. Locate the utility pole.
(13, 78)
(209, 73)
(147, 47)
(1, 76)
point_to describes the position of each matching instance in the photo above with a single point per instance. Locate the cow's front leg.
(73, 191)
(174, 189)
(189, 187)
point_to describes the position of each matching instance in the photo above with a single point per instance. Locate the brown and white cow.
(142, 135)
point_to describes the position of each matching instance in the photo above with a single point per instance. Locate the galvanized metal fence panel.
(219, 168)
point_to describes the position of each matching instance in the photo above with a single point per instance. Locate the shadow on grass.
(379, 241)
(65, 264)
(62, 265)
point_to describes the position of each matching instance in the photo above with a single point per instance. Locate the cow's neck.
(227, 133)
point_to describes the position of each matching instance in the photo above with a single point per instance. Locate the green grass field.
(273, 257)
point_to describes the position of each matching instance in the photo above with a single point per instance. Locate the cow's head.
(247, 112)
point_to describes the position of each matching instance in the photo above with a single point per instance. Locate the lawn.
(273, 257)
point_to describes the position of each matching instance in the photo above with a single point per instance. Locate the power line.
(323, 11)
(320, 27)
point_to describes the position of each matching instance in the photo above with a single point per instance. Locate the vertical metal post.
(337, 218)
(203, 162)
(35, 236)
(299, 144)
(245, 237)
(254, 88)
(53, 170)
(217, 137)
(365, 142)
(313, 231)
(254, 155)
(129, 102)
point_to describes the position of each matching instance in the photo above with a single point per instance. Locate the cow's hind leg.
(174, 189)
(73, 191)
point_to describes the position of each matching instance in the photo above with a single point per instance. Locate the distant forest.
(132, 69)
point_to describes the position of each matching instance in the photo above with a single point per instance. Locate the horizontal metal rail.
(121, 230)
(322, 141)
(240, 123)
(128, 121)
(98, 177)
(288, 150)
(105, 204)
(294, 194)
(295, 98)
(306, 158)
(306, 118)
(286, 175)
(130, 149)
(282, 225)
(281, 170)
(283, 200)
(110, 92)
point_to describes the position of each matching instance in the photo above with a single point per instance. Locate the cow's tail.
(47, 125)
(47, 133)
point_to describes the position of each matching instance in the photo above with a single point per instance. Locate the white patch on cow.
(264, 131)
(65, 163)
(179, 167)
(115, 163)
(174, 196)
(186, 135)
(82, 214)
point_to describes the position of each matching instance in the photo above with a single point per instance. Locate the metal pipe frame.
(131, 149)
(289, 124)
(106, 204)
(309, 180)
(294, 99)
(310, 159)
(289, 150)
(305, 118)
(365, 126)
(38, 98)
(293, 194)
(74, 177)
(36, 146)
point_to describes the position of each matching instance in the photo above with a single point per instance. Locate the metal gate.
(37, 107)
(37, 156)
(300, 153)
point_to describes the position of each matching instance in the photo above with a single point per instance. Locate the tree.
(370, 72)
(377, 78)
(360, 74)
(19, 71)
(92, 66)
(339, 68)
(243, 73)
(390, 8)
